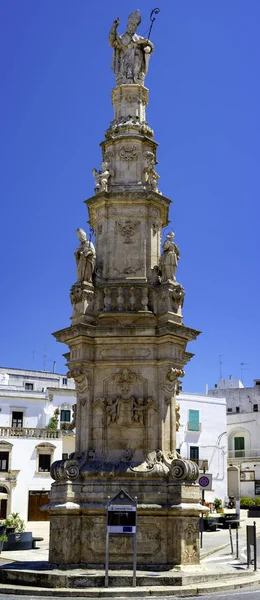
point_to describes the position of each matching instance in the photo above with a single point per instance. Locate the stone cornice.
(126, 193)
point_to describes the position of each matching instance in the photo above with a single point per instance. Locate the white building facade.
(202, 437)
(28, 402)
(243, 425)
(36, 428)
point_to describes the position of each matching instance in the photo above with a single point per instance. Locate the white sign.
(205, 481)
(122, 508)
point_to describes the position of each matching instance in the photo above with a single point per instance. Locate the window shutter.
(194, 420)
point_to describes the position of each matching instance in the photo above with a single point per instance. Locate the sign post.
(238, 508)
(251, 541)
(121, 519)
(205, 483)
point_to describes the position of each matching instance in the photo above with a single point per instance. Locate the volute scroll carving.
(82, 383)
(171, 382)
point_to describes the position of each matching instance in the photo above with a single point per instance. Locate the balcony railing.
(30, 432)
(202, 464)
(247, 453)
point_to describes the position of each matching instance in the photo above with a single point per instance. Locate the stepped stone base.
(45, 575)
(167, 525)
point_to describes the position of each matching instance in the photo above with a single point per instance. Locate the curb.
(138, 592)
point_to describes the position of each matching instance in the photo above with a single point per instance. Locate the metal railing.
(246, 453)
(202, 464)
(30, 432)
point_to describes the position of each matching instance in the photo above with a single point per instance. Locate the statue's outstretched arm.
(113, 37)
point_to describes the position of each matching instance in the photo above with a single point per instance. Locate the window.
(29, 386)
(65, 416)
(247, 476)
(44, 462)
(255, 407)
(17, 419)
(194, 453)
(64, 381)
(237, 409)
(44, 457)
(229, 410)
(65, 456)
(194, 420)
(239, 446)
(4, 456)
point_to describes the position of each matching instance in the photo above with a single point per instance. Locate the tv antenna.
(242, 369)
(220, 358)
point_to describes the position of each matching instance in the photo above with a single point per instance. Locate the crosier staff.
(155, 11)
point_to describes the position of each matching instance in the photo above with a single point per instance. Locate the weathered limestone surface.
(127, 349)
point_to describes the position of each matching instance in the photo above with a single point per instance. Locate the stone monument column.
(127, 350)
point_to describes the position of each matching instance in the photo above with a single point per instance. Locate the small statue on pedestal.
(150, 176)
(131, 51)
(169, 259)
(85, 257)
(102, 176)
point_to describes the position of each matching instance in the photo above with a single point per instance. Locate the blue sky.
(55, 86)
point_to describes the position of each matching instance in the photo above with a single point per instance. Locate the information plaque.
(121, 520)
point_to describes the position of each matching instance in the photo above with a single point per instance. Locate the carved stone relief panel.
(191, 541)
(121, 260)
(128, 164)
(126, 408)
(149, 541)
(128, 152)
(127, 229)
(114, 353)
(126, 211)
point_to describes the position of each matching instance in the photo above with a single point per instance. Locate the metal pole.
(107, 545)
(135, 540)
(237, 547)
(255, 551)
(203, 491)
(231, 540)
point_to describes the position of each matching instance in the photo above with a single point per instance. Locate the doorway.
(3, 502)
(36, 500)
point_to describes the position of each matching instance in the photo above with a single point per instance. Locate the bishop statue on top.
(131, 52)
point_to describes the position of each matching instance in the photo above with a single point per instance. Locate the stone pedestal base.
(167, 531)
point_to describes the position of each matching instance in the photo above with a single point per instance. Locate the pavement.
(219, 570)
